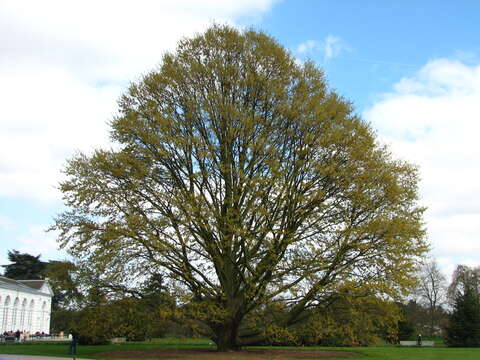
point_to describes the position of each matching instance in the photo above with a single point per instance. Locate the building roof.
(7, 280)
(30, 286)
(36, 284)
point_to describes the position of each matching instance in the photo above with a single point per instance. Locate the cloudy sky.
(411, 68)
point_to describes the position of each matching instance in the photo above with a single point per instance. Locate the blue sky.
(381, 41)
(411, 69)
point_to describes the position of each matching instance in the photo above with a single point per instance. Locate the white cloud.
(64, 64)
(48, 115)
(30, 239)
(331, 47)
(36, 240)
(432, 119)
(307, 47)
(33, 240)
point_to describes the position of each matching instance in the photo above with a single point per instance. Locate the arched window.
(22, 314)
(30, 316)
(43, 316)
(6, 313)
(15, 322)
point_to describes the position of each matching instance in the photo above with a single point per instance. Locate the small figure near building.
(419, 340)
(72, 349)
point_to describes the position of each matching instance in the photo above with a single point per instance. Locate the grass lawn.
(367, 353)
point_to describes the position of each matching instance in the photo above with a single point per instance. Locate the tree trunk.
(432, 321)
(227, 336)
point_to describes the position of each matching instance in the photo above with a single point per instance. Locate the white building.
(25, 305)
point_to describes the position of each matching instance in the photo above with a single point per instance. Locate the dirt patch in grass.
(212, 354)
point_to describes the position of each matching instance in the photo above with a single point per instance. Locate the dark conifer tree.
(464, 325)
(24, 266)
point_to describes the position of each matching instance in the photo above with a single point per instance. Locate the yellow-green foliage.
(363, 321)
(122, 318)
(240, 174)
(345, 322)
(278, 335)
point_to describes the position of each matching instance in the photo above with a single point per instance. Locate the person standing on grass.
(419, 340)
(72, 350)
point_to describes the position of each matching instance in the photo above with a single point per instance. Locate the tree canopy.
(243, 178)
(24, 266)
(464, 278)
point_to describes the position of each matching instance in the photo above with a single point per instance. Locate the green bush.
(122, 318)
(347, 321)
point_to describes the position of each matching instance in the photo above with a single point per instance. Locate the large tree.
(464, 322)
(432, 291)
(245, 179)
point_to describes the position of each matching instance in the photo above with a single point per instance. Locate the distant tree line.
(451, 312)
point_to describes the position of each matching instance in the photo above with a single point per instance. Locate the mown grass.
(179, 341)
(367, 353)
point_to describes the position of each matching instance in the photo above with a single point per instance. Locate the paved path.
(33, 357)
